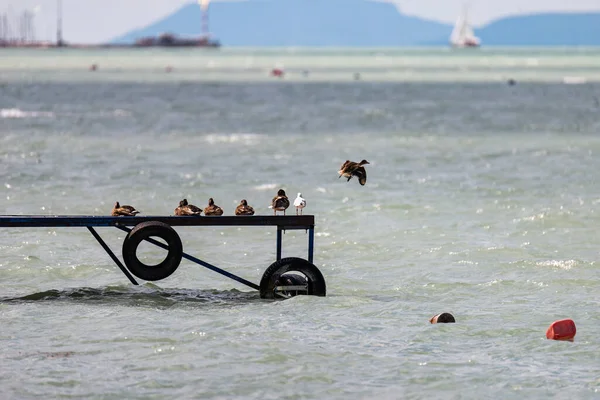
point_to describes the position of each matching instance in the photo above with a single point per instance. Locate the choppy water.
(481, 201)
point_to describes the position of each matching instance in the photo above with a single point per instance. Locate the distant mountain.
(360, 23)
(543, 30)
(300, 23)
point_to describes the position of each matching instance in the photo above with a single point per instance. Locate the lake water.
(482, 200)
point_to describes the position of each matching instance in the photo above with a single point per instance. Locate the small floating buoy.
(511, 82)
(563, 329)
(93, 67)
(443, 318)
(169, 69)
(278, 72)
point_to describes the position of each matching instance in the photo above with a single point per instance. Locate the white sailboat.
(462, 35)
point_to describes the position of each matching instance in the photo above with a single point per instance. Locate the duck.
(280, 202)
(187, 209)
(299, 203)
(244, 209)
(212, 208)
(350, 169)
(119, 210)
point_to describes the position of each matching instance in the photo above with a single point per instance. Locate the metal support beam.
(112, 255)
(200, 262)
(279, 243)
(285, 222)
(311, 243)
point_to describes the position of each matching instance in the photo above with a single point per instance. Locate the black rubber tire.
(143, 231)
(314, 278)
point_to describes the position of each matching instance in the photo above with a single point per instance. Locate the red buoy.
(562, 330)
(278, 72)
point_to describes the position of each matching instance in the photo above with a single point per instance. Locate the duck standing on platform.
(299, 203)
(212, 208)
(119, 210)
(187, 209)
(350, 169)
(280, 202)
(244, 208)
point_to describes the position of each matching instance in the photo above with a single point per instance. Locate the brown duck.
(212, 208)
(119, 210)
(244, 209)
(350, 169)
(187, 209)
(280, 202)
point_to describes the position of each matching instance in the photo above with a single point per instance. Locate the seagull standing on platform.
(350, 169)
(299, 203)
(119, 210)
(280, 202)
(212, 208)
(187, 209)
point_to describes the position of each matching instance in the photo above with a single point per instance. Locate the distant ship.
(462, 35)
(171, 40)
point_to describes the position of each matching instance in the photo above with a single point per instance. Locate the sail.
(457, 31)
(204, 4)
(462, 34)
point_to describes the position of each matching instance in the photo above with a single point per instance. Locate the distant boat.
(462, 35)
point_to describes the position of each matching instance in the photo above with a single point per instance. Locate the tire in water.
(146, 230)
(314, 279)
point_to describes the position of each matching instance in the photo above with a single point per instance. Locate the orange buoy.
(443, 318)
(562, 330)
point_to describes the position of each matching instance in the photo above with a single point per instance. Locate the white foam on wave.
(17, 113)
(247, 138)
(121, 113)
(574, 80)
(266, 186)
(562, 264)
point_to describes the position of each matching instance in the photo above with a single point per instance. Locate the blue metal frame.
(283, 223)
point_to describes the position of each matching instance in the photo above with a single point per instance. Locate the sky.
(95, 21)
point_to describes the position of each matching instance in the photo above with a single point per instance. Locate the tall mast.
(59, 39)
(204, 9)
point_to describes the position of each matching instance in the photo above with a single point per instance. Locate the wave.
(266, 186)
(246, 138)
(17, 113)
(145, 295)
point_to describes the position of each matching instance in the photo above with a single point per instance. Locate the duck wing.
(193, 210)
(281, 202)
(361, 173)
(213, 210)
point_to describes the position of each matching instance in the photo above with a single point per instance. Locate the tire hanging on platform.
(143, 231)
(272, 277)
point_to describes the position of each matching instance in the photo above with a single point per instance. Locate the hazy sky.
(89, 21)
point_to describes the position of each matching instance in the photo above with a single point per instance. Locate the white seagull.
(299, 203)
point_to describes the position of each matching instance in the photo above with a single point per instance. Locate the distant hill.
(300, 23)
(543, 30)
(360, 23)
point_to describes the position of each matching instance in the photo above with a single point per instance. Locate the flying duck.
(350, 169)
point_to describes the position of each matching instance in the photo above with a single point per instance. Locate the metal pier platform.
(284, 278)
